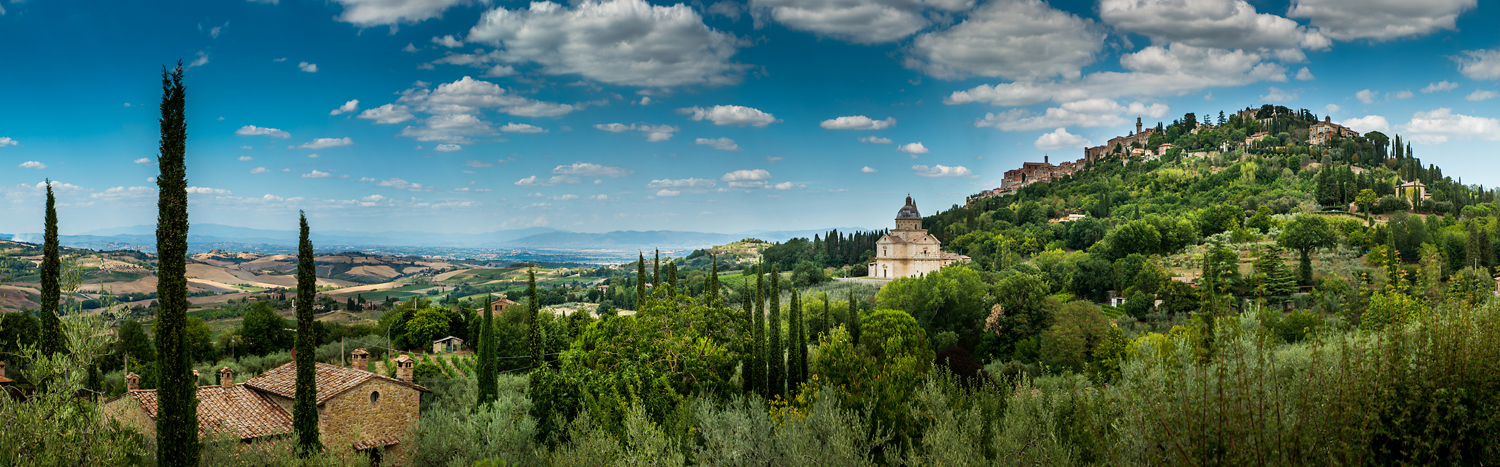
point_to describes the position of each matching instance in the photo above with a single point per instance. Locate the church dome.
(909, 211)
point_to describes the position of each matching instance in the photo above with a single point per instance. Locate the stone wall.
(351, 417)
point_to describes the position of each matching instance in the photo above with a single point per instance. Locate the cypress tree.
(827, 318)
(534, 329)
(762, 355)
(711, 287)
(853, 318)
(794, 341)
(488, 384)
(776, 353)
(671, 278)
(52, 340)
(640, 281)
(176, 393)
(656, 272)
(305, 405)
(748, 373)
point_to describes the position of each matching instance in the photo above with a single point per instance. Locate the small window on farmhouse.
(884, 251)
(374, 396)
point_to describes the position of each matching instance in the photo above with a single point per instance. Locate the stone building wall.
(351, 417)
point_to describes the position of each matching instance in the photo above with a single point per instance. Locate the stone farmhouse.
(357, 409)
(909, 251)
(1323, 132)
(1044, 171)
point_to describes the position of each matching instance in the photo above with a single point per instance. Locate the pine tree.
(177, 404)
(533, 313)
(776, 353)
(488, 384)
(52, 340)
(305, 405)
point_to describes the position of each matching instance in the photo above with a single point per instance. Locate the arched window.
(374, 396)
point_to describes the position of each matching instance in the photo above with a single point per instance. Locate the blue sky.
(720, 116)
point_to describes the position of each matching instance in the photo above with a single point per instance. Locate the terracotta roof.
(376, 443)
(332, 380)
(249, 413)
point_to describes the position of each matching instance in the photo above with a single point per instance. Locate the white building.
(909, 251)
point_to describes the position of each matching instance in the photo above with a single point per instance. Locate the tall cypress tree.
(533, 312)
(52, 340)
(827, 319)
(794, 339)
(656, 272)
(776, 353)
(671, 278)
(640, 281)
(711, 286)
(176, 393)
(488, 378)
(305, 405)
(762, 357)
(853, 318)
(747, 372)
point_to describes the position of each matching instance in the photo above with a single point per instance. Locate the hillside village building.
(909, 251)
(1325, 131)
(357, 409)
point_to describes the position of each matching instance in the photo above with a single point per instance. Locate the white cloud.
(942, 171)
(1482, 95)
(692, 183)
(555, 180)
(1367, 124)
(366, 13)
(316, 174)
(589, 169)
(567, 197)
(1061, 139)
(200, 61)
(1012, 39)
(389, 113)
(1480, 64)
(142, 161)
(1305, 75)
(1440, 86)
(6, 141)
(398, 184)
(1084, 113)
(666, 193)
(32, 165)
(1366, 96)
(252, 130)
(626, 42)
(312, 156)
(448, 41)
(198, 190)
(913, 148)
(1332, 108)
(522, 128)
(868, 170)
(259, 170)
(1403, 95)
(774, 159)
(498, 71)
(450, 128)
(1278, 95)
(875, 140)
(246, 158)
(308, 67)
(246, 147)
(116, 192)
(1439, 125)
(785, 186)
(477, 163)
(350, 106)
(600, 197)
(447, 147)
(1379, 20)
(857, 21)
(653, 133)
(1229, 24)
(722, 144)
(730, 115)
(410, 47)
(858, 122)
(757, 178)
(321, 143)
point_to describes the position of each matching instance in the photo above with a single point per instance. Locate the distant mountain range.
(143, 237)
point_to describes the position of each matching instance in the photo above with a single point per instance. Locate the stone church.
(909, 251)
(357, 409)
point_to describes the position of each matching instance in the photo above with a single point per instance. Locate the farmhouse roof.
(248, 413)
(331, 380)
(446, 339)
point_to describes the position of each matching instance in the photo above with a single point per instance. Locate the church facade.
(908, 250)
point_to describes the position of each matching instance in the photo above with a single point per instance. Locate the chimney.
(2, 369)
(197, 378)
(133, 382)
(361, 359)
(226, 377)
(404, 365)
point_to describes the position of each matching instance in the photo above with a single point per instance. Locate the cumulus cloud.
(348, 107)
(688, 183)
(653, 133)
(1084, 113)
(6, 141)
(522, 128)
(246, 158)
(308, 67)
(448, 147)
(1229, 24)
(1305, 75)
(398, 184)
(1367, 124)
(1477, 96)
(625, 42)
(589, 169)
(451, 128)
(32, 165)
(913, 148)
(858, 122)
(366, 13)
(667, 193)
(477, 163)
(1439, 125)
(1332, 108)
(942, 171)
(321, 143)
(868, 170)
(1402, 95)
(875, 140)
(389, 113)
(142, 160)
(316, 174)
(857, 21)
(555, 180)
(1012, 39)
(198, 190)
(455, 110)
(1278, 95)
(1367, 96)
(1379, 20)
(448, 41)
(1480, 64)
(1061, 139)
(252, 130)
(259, 170)
(730, 115)
(1440, 86)
(757, 178)
(722, 144)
